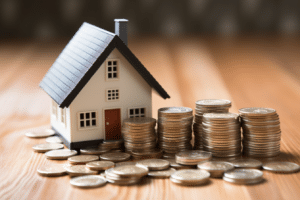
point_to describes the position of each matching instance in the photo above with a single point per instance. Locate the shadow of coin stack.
(222, 134)
(140, 139)
(207, 106)
(261, 132)
(174, 129)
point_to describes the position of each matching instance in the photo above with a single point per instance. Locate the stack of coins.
(192, 157)
(243, 176)
(207, 106)
(138, 155)
(125, 175)
(175, 129)
(261, 132)
(190, 177)
(139, 134)
(221, 134)
(112, 145)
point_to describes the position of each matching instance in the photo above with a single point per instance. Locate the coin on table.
(177, 166)
(115, 157)
(129, 170)
(154, 164)
(62, 154)
(54, 139)
(88, 181)
(192, 157)
(215, 168)
(100, 165)
(190, 177)
(247, 163)
(82, 159)
(92, 151)
(281, 167)
(42, 148)
(256, 111)
(52, 170)
(40, 134)
(243, 176)
(162, 174)
(125, 163)
(79, 170)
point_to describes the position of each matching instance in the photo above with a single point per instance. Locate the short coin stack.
(175, 129)
(243, 176)
(192, 157)
(139, 134)
(261, 132)
(221, 134)
(207, 106)
(190, 177)
(112, 145)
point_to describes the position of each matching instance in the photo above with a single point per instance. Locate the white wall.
(63, 129)
(133, 92)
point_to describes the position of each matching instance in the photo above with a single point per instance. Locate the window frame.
(90, 120)
(107, 95)
(118, 69)
(63, 116)
(135, 115)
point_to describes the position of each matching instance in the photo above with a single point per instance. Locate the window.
(63, 115)
(136, 112)
(112, 71)
(112, 94)
(87, 119)
(54, 108)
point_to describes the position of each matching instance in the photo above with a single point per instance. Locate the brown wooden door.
(113, 124)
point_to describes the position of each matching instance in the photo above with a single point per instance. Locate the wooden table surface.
(249, 71)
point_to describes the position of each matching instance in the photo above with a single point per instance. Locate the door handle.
(107, 123)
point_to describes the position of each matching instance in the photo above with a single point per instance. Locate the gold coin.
(281, 167)
(52, 170)
(154, 164)
(162, 174)
(128, 170)
(190, 176)
(40, 134)
(247, 163)
(54, 139)
(42, 148)
(100, 165)
(82, 159)
(79, 170)
(89, 181)
(115, 157)
(62, 154)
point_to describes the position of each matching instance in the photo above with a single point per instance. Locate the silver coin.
(115, 157)
(190, 177)
(40, 134)
(244, 174)
(52, 170)
(281, 167)
(215, 168)
(192, 157)
(128, 170)
(162, 174)
(88, 181)
(247, 163)
(54, 139)
(79, 170)
(42, 148)
(154, 164)
(256, 111)
(243, 182)
(82, 159)
(213, 102)
(100, 165)
(61, 154)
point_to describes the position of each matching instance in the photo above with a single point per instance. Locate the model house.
(96, 83)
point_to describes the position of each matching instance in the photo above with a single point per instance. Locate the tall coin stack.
(222, 134)
(175, 129)
(261, 132)
(207, 106)
(139, 134)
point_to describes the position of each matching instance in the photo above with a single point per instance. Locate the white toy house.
(96, 83)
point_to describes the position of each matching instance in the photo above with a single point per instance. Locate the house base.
(77, 145)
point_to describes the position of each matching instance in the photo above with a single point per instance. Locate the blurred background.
(62, 18)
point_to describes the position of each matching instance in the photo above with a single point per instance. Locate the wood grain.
(250, 71)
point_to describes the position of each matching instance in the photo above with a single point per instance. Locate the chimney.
(121, 29)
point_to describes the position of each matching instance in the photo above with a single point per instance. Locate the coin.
(82, 159)
(54, 139)
(177, 166)
(61, 154)
(162, 174)
(243, 176)
(215, 168)
(42, 148)
(281, 167)
(192, 157)
(247, 163)
(92, 151)
(154, 164)
(40, 134)
(256, 111)
(88, 181)
(128, 170)
(79, 170)
(115, 157)
(190, 177)
(125, 163)
(52, 170)
(100, 165)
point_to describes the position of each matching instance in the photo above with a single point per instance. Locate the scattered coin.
(177, 166)
(125, 163)
(92, 151)
(79, 170)
(154, 164)
(243, 176)
(125, 175)
(40, 134)
(42, 148)
(52, 170)
(54, 139)
(82, 159)
(111, 145)
(100, 165)
(115, 157)
(130, 171)
(88, 181)
(281, 167)
(247, 163)
(62, 154)
(190, 177)
(192, 157)
(162, 174)
(215, 168)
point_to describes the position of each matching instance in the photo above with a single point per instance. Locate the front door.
(113, 124)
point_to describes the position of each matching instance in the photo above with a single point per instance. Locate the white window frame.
(115, 94)
(136, 115)
(63, 116)
(117, 71)
(79, 120)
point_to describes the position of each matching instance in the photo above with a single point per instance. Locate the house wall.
(62, 128)
(133, 92)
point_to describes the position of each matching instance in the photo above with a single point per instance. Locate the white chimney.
(121, 29)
